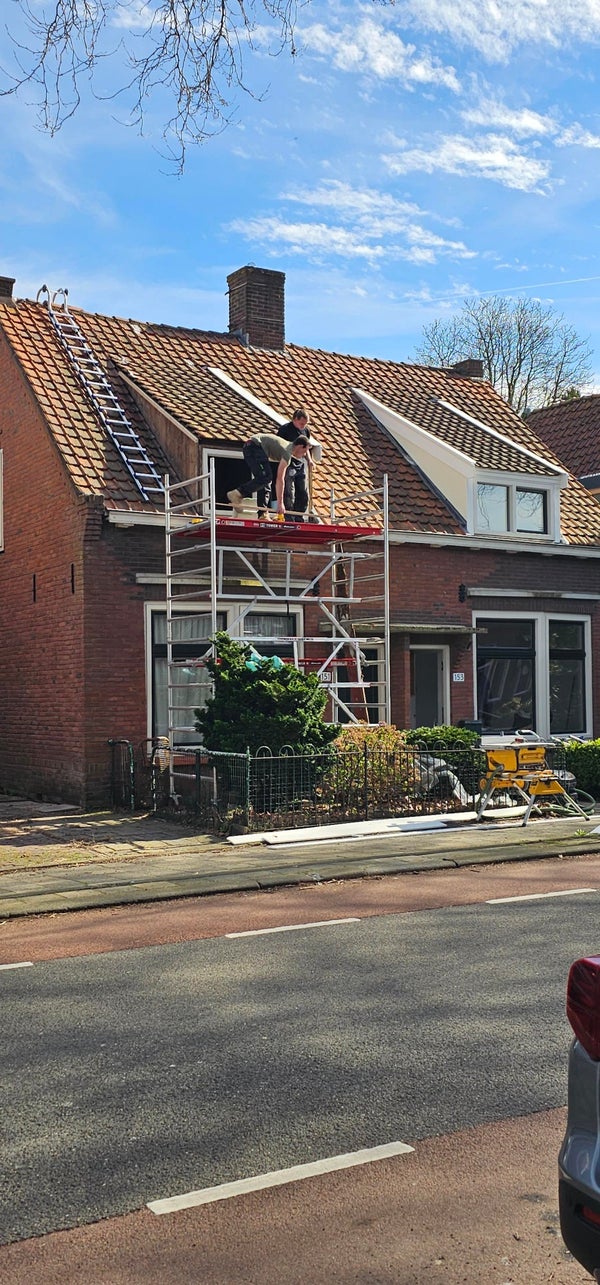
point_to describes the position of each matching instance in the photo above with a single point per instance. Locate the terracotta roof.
(176, 368)
(572, 429)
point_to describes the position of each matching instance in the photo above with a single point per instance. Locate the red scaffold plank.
(232, 530)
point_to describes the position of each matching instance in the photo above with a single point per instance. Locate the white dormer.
(506, 503)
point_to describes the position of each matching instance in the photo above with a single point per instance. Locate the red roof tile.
(174, 367)
(572, 429)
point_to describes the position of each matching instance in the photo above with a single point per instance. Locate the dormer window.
(504, 508)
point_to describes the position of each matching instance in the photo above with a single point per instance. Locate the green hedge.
(445, 737)
(583, 760)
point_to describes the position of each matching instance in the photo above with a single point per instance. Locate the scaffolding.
(332, 577)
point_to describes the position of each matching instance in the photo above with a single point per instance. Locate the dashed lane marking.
(290, 928)
(539, 896)
(26, 963)
(278, 1178)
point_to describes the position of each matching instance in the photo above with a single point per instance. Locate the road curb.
(18, 905)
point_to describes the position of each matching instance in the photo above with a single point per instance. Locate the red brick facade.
(74, 662)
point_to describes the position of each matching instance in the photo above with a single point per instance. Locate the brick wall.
(72, 670)
(257, 306)
(425, 589)
(41, 591)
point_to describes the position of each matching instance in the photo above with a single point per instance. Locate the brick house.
(494, 547)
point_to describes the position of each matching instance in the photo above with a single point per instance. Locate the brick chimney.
(6, 288)
(472, 368)
(257, 306)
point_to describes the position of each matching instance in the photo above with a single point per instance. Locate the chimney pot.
(257, 306)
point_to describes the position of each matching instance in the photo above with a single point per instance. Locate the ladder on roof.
(91, 375)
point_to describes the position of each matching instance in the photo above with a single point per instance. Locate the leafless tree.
(529, 352)
(189, 53)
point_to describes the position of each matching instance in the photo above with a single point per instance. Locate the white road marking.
(538, 896)
(290, 928)
(277, 1178)
(26, 963)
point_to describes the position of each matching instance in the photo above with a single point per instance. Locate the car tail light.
(583, 1003)
(590, 1215)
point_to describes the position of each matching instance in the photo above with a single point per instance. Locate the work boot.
(236, 500)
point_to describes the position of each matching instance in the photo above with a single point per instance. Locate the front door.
(428, 670)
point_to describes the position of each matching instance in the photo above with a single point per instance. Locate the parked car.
(579, 1159)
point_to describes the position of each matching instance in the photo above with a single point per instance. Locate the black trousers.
(259, 464)
(295, 491)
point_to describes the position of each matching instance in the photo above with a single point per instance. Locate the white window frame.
(541, 621)
(215, 452)
(232, 612)
(514, 482)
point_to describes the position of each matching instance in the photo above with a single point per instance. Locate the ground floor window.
(190, 682)
(533, 672)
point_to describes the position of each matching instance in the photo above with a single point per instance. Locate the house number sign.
(458, 678)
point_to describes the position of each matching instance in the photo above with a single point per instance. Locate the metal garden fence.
(266, 792)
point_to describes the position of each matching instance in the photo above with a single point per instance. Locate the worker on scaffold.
(259, 452)
(296, 490)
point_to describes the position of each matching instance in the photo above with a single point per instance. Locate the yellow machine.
(523, 770)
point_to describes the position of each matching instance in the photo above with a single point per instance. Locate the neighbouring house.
(572, 429)
(494, 547)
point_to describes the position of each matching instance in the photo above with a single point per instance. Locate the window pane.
(185, 626)
(567, 695)
(192, 687)
(266, 625)
(566, 635)
(505, 693)
(516, 634)
(531, 511)
(492, 507)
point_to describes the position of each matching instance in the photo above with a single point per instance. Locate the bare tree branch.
(192, 51)
(529, 352)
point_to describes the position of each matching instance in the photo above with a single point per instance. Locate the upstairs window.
(504, 509)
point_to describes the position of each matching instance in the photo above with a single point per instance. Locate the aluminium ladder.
(91, 375)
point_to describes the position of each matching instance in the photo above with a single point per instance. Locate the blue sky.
(409, 155)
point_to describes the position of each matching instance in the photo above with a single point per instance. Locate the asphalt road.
(141, 1074)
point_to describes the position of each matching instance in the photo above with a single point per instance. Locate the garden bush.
(445, 737)
(582, 758)
(371, 762)
(261, 702)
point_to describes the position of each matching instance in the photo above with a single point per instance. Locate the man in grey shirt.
(259, 452)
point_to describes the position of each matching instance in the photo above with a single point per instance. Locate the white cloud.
(305, 238)
(491, 156)
(345, 199)
(369, 47)
(133, 16)
(371, 224)
(577, 136)
(520, 121)
(495, 29)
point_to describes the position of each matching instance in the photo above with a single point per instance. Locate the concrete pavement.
(54, 858)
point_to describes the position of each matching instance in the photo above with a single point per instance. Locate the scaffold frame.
(224, 567)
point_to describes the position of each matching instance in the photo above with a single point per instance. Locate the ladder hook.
(64, 305)
(43, 290)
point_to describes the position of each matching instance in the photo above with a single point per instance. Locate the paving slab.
(55, 858)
